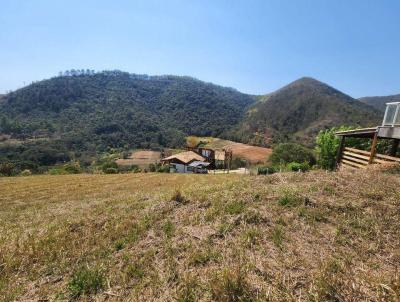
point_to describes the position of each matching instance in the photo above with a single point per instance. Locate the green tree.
(328, 144)
(291, 152)
(327, 148)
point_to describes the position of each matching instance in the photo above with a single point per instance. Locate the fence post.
(373, 148)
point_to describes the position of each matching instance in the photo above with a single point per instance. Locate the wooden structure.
(180, 162)
(390, 130)
(216, 157)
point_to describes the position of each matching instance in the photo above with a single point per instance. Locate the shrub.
(159, 168)
(327, 148)
(125, 154)
(128, 168)
(264, 170)
(152, 168)
(192, 141)
(238, 162)
(164, 169)
(108, 165)
(26, 172)
(295, 167)
(328, 145)
(290, 152)
(111, 171)
(72, 168)
(178, 197)
(6, 168)
(56, 171)
(86, 281)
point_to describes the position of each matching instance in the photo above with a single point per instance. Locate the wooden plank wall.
(358, 159)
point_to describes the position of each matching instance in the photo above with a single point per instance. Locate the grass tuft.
(277, 236)
(168, 228)
(86, 281)
(231, 285)
(178, 197)
(235, 207)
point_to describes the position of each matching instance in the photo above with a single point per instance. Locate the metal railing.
(392, 115)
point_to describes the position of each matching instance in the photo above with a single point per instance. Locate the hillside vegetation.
(285, 237)
(87, 113)
(299, 110)
(81, 114)
(379, 102)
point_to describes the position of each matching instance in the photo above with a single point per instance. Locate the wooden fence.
(359, 159)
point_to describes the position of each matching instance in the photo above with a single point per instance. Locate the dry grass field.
(166, 237)
(253, 154)
(142, 158)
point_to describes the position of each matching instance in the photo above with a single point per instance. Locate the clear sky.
(253, 46)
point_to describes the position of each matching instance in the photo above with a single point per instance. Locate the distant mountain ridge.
(299, 110)
(379, 102)
(81, 114)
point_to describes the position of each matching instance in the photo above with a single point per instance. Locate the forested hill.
(80, 114)
(379, 102)
(89, 112)
(299, 110)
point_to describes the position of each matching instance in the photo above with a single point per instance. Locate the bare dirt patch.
(253, 154)
(141, 158)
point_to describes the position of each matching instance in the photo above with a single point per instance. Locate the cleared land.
(310, 237)
(141, 158)
(253, 154)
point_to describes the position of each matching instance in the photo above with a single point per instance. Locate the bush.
(295, 167)
(72, 168)
(164, 169)
(291, 152)
(128, 168)
(111, 171)
(178, 197)
(327, 148)
(6, 168)
(328, 145)
(264, 170)
(152, 168)
(56, 171)
(86, 281)
(108, 165)
(238, 162)
(26, 172)
(159, 168)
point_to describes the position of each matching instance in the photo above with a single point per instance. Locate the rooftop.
(198, 163)
(185, 157)
(363, 132)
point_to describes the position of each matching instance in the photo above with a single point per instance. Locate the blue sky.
(253, 46)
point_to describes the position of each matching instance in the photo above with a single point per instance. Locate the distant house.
(186, 162)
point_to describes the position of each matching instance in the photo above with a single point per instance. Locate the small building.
(199, 167)
(389, 130)
(180, 162)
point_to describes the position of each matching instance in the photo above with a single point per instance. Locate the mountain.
(379, 102)
(83, 113)
(299, 110)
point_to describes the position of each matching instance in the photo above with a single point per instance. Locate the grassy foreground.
(167, 237)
